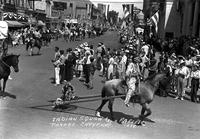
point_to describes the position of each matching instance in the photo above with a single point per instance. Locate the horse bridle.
(5, 63)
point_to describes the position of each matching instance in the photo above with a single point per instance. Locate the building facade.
(177, 17)
(20, 10)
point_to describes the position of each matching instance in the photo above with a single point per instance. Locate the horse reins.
(5, 64)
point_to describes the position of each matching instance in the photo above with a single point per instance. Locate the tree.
(112, 17)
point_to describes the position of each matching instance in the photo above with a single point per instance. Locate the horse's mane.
(150, 78)
(8, 56)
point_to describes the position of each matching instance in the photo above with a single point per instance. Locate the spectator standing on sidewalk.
(195, 75)
(92, 72)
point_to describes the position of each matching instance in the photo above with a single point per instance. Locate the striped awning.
(14, 23)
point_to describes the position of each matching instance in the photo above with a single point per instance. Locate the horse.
(5, 64)
(33, 42)
(144, 95)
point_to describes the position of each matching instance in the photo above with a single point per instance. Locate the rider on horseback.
(132, 77)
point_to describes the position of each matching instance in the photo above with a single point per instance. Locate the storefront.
(14, 20)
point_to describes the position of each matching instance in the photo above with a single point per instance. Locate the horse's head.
(13, 61)
(155, 79)
(159, 76)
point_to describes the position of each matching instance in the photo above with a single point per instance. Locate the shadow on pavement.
(121, 117)
(6, 94)
(68, 109)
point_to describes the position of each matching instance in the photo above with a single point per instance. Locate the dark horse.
(5, 64)
(144, 96)
(33, 42)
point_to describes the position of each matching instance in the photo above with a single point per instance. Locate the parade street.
(26, 112)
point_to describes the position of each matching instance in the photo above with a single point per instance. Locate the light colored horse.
(144, 96)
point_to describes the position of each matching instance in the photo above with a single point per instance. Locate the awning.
(14, 23)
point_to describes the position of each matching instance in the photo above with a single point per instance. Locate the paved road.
(30, 115)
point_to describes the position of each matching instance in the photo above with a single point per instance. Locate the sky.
(117, 4)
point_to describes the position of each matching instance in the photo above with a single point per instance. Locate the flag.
(94, 12)
(107, 11)
(154, 21)
(178, 6)
(126, 10)
(132, 12)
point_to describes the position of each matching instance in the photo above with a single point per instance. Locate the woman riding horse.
(144, 97)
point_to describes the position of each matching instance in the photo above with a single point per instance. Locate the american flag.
(154, 20)
(126, 10)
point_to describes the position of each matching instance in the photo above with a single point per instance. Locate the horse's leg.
(110, 106)
(145, 108)
(98, 111)
(4, 83)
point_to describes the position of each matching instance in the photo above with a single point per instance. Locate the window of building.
(71, 5)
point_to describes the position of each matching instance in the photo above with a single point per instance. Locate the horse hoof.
(97, 114)
(141, 123)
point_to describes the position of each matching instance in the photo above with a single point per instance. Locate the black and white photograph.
(99, 69)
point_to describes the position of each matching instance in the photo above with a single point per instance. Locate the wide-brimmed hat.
(182, 62)
(181, 57)
(85, 44)
(87, 53)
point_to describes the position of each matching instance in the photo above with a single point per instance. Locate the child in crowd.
(79, 64)
(68, 92)
(92, 71)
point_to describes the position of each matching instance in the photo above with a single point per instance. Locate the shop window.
(71, 5)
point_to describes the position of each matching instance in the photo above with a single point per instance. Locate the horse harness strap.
(5, 64)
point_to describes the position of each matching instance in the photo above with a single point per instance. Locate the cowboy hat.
(181, 57)
(86, 44)
(182, 62)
